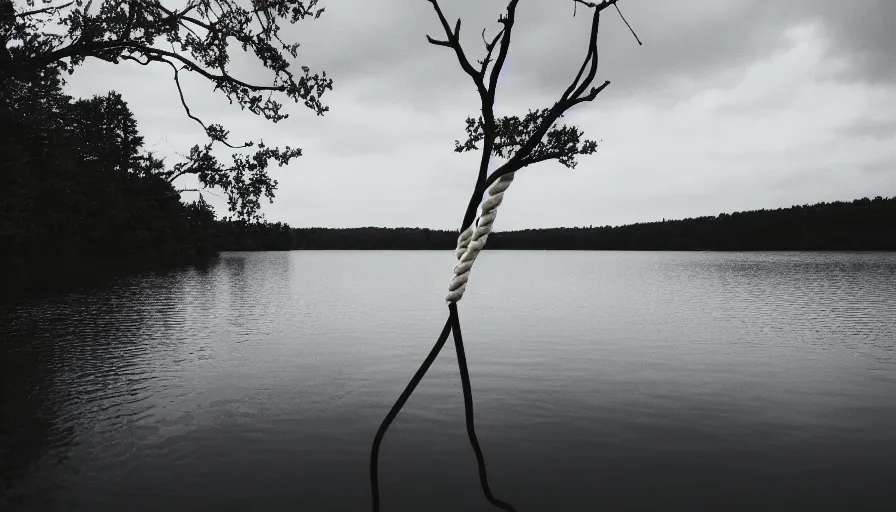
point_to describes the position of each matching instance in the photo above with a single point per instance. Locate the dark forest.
(80, 197)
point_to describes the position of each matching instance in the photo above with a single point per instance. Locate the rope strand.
(472, 240)
(381, 432)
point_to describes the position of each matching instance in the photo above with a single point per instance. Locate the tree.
(108, 133)
(523, 141)
(536, 136)
(79, 200)
(193, 38)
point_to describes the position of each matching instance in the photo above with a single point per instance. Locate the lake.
(602, 380)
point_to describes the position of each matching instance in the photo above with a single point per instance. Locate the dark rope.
(378, 439)
(468, 409)
(452, 324)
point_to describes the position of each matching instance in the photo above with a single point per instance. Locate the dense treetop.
(199, 37)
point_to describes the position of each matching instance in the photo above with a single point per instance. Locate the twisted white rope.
(472, 240)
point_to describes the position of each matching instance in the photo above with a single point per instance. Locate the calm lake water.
(602, 380)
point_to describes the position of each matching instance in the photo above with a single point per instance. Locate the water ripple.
(259, 381)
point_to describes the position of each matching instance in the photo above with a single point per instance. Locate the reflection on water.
(629, 380)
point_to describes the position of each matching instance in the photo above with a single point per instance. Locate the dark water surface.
(602, 380)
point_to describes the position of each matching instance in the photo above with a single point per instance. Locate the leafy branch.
(196, 38)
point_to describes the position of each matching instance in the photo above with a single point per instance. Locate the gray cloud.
(684, 41)
(729, 105)
(864, 31)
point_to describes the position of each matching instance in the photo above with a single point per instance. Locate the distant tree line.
(240, 236)
(863, 224)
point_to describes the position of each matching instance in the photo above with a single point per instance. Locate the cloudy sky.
(729, 105)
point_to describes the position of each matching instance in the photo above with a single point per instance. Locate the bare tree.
(535, 137)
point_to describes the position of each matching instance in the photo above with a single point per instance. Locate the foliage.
(79, 198)
(196, 37)
(244, 182)
(561, 143)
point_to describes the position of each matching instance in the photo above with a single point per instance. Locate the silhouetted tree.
(534, 137)
(78, 198)
(107, 132)
(200, 35)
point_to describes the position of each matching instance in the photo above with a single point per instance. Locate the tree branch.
(439, 42)
(91, 49)
(566, 101)
(592, 49)
(517, 162)
(489, 47)
(42, 10)
(137, 60)
(487, 131)
(183, 101)
(541, 158)
(126, 33)
(178, 15)
(638, 39)
(184, 171)
(454, 43)
(486, 97)
(592, 54)
(591, 95)
(508, 21)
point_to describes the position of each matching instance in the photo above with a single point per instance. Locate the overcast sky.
(729, 105)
